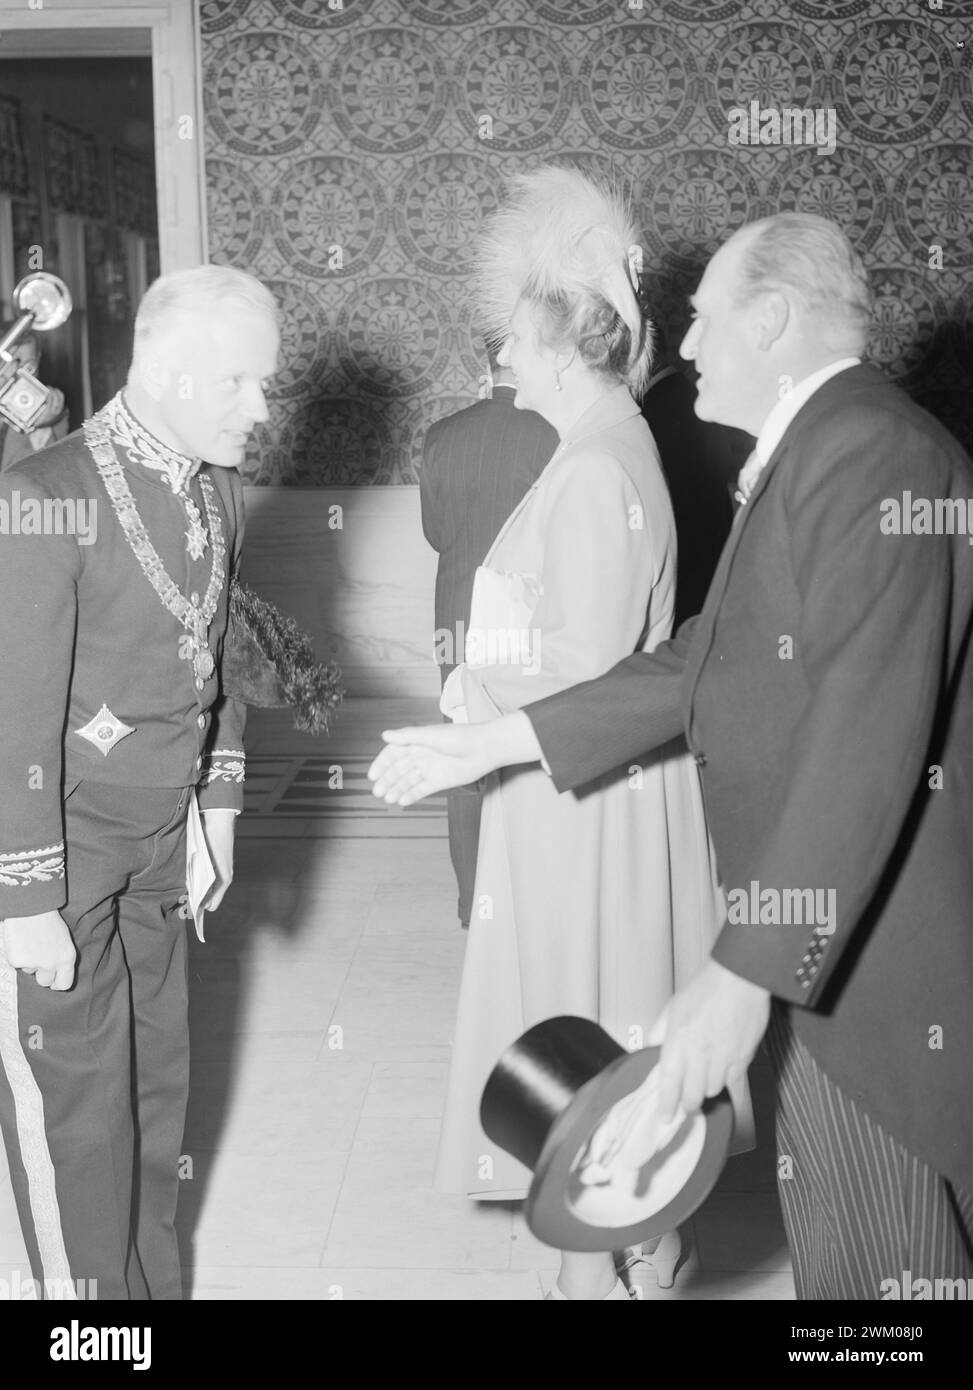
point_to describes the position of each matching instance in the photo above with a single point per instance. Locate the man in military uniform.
(112, 725)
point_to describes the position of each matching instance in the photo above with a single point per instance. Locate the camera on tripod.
(42, 302)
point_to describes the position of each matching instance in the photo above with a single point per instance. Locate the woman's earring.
(557, 379)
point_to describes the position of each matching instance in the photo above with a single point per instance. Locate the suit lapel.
(703, 639)
(842, 385)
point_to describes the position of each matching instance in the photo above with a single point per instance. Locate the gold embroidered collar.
(141, 446)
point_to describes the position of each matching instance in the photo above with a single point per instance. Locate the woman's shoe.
(661, 1254)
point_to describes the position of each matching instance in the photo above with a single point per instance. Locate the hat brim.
(550, 1212)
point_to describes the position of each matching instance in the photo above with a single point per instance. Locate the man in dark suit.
(476, 466)
(825, 692)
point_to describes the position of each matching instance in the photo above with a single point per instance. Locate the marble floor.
(322, 1008)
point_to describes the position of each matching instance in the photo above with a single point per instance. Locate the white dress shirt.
(772, 430)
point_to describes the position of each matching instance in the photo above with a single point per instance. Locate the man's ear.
(152, 374)
(772, 314)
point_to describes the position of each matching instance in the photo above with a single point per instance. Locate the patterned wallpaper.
(353, 147)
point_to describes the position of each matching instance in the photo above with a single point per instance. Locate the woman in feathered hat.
(596, 905)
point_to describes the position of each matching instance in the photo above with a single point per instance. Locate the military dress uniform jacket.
(98, 681)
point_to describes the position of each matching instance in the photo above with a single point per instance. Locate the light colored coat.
(595, 902)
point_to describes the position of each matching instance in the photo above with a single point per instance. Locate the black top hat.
(544, 1099)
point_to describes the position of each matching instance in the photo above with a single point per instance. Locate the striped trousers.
(865, 1218)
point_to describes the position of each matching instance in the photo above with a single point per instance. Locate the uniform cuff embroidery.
(224, 765)
(20, 868)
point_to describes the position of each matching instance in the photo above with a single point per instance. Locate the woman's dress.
(601, 902)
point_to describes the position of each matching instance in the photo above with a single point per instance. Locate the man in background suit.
(700, 461)
(476, 466)
(825, 692)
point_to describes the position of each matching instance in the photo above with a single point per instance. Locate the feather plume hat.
(561, 234)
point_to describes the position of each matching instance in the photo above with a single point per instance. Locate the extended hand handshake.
(431, 758)
(708, 1032)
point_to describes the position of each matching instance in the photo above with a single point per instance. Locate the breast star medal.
(105, 730)
(196, 539)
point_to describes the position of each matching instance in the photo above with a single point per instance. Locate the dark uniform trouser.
(859, 1209)
(94, 1080)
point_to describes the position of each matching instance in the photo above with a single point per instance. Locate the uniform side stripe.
(34, 1152)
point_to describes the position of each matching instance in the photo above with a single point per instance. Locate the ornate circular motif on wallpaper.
(692, 204)
(933, 203)
(825, 10)
(259, 463)
(335, 441)
(215, 15)
(701, 11)
(513, 92)
(303, 340)
(775, 64)
(392, 336)
(893, 82)
(256, 469)
(263, 94)
(904, 317)
(438, 208)
(576, 12)
(387, 86)
(320, 14)
(449, 12)
(469, 365)
(964, 78)
(638, 86)
(843, 187)
(233, 213)
(329, 216)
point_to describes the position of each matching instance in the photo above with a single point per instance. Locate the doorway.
(79, 201)
(101, 171)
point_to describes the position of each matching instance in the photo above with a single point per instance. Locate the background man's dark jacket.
(476, 466)
(700, 461)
